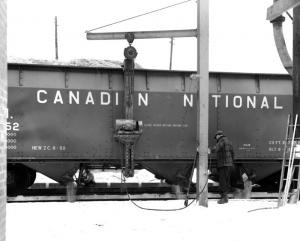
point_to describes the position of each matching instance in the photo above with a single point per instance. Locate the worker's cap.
(220, 133)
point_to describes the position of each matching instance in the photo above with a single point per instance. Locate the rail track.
(117, 192)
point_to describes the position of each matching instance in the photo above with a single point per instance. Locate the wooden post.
(56, 39)
(203, 104)
(171, 53)
(296, 60)
(3, 116)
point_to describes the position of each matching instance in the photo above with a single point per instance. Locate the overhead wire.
(139, 15)
(290, 16)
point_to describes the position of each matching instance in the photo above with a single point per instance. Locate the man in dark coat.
(225, 157)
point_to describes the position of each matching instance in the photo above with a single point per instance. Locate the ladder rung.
(293, 180)
(294, 125)
(286, 165)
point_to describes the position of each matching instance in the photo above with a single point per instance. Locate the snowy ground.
(239, 220)
(123, 221)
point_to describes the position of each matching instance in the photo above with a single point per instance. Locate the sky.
(240, 37)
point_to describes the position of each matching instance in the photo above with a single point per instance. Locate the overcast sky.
(241, 39)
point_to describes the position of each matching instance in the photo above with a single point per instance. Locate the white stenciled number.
(12, 126)
(16, 126)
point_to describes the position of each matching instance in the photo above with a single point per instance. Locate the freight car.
(68, 118)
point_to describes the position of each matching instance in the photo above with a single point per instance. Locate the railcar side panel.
(70, 113)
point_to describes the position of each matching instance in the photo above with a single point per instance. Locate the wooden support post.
(296, 61)
(56, 39)
(203, 104)
(171, 52)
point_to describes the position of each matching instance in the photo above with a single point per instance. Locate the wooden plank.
(279, 7)
(143, 34)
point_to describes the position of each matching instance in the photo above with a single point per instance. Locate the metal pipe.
(281, 45)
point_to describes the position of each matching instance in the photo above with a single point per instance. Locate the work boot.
(223, 200)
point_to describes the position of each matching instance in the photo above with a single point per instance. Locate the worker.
(225, 157)
(87, 178)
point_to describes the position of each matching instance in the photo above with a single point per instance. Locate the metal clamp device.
(127, 130)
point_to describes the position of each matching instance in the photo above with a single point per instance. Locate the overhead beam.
(143, 34)
(279, 7)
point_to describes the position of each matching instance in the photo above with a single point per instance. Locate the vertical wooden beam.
(202, 116)
(56, 39)
(3, 117)
(171, 53)
(296, 60)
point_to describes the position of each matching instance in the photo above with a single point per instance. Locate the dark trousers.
(224, 179)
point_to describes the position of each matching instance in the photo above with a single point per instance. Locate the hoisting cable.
(290, 16)
(123, 180)
(140, 15)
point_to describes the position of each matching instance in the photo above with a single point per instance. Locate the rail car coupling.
(127, 131)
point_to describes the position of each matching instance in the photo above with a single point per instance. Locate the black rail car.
(64, 117)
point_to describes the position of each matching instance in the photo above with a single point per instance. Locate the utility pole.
(56, 40)
(171, 52)
(203, 104)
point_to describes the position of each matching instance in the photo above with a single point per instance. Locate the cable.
(259, 209)
(123, 180)
(156, 209)
(140, 15)
(289, 15)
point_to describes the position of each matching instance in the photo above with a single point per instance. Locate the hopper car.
(68, 119)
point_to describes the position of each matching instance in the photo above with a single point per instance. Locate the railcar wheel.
(19, 177)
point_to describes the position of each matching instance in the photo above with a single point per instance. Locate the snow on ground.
(123, 221)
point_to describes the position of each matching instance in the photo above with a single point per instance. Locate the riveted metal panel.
(43, 79)
(242, 84)
(254, 130)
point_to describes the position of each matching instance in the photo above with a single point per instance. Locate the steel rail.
(124, 197)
